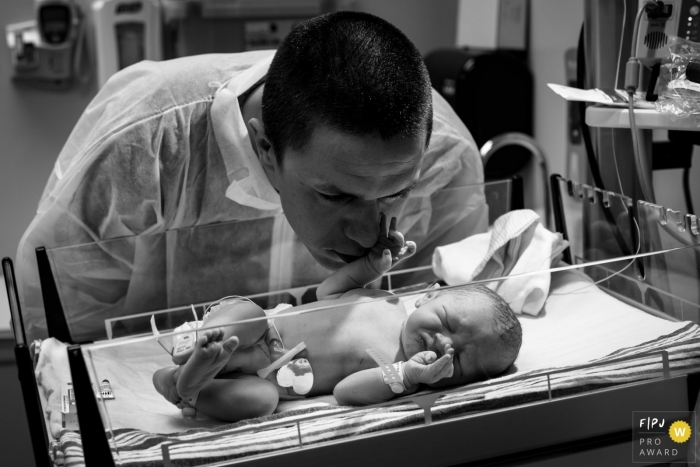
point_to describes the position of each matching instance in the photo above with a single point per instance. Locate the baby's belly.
(327, 372)
(328, 367)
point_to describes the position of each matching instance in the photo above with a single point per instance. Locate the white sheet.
(581, 324)
(573, 329)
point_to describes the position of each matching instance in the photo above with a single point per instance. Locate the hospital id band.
(391, 373)
(399, 387)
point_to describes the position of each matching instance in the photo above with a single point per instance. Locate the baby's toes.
(202, 340)
(231, 344)
(217, 334)
(211, 349)
(210, 335)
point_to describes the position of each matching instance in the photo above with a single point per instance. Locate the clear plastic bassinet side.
(550, 367)
(673, 279)
(127, 276)
(603, 224)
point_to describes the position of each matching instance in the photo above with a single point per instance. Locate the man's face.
(334, 190)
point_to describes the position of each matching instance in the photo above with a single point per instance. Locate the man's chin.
(328, 260)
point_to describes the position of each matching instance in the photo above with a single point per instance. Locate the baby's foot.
(209, 357)
(165, 383)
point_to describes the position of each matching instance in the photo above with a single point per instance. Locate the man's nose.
(362, 223)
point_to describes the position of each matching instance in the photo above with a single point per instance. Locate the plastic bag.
(679, 97)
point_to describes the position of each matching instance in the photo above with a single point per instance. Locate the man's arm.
(367, 387)
(386, 253)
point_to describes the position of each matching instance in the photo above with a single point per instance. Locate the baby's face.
(441, 321)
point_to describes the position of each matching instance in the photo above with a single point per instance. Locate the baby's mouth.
(429, 343)
(426, 342)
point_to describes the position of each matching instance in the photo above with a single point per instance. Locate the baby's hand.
(426, 368)
(390, 247)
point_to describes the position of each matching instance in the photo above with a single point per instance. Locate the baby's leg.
(211, 353)
(165, 382)
(228, 318)
(242, 397)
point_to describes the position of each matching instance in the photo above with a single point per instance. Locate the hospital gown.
(157, 199)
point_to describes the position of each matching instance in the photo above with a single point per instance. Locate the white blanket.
(516, 244)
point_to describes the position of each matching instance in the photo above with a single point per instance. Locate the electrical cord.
(686, 190)
(641, 164)
(632, 72)
(588, 143)
(585, 132)
(619, 50)
(617, 76)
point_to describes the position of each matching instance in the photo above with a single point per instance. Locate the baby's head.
(476, 322)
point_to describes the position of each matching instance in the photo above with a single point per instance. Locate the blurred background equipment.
(126, 33)
(49, 48)
(491, 92)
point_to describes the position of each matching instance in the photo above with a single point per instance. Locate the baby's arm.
(367, 387)
(385, 254)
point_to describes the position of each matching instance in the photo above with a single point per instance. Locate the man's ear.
(266, 154)
(429, 296)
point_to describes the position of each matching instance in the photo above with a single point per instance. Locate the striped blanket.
(279, 432)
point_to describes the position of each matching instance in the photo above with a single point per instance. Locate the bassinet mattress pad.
(579, 325)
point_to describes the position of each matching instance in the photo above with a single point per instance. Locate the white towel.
(517, 243)
(51, 371)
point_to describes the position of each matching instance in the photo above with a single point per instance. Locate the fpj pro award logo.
(663, 437)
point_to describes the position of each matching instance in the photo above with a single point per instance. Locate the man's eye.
(399, 195)
(331, 198)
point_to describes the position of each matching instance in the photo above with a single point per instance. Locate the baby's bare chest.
(336, 352)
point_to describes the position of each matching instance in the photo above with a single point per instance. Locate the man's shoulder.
(446, 122)
(197, 66)
(178, 81)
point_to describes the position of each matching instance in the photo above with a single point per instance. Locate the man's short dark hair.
(505, 323)
(351, 71)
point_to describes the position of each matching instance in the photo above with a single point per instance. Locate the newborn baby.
(454, 337)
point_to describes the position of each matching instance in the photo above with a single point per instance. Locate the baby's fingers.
(385, 262)
(425, 357)
(397, 238)
(442, 368)
(441, 362)
(379, 262)
(411, 249)
(407, 251)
